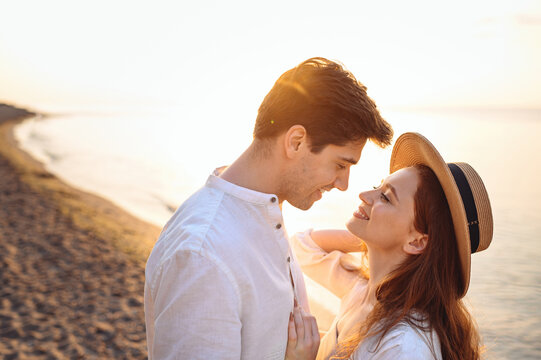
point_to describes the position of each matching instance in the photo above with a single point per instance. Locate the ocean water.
(149, 162)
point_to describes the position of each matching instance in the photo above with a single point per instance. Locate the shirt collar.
(240, 192)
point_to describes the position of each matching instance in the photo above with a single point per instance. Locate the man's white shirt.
(219, 281)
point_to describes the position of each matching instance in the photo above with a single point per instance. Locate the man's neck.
(253, 171)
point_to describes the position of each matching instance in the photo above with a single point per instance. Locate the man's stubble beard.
(293, 188)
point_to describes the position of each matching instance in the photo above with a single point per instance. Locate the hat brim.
(414, 149)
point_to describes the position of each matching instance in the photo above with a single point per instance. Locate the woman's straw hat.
(465, 192)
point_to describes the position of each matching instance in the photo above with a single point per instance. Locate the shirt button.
(278, 226)
(289, 259)
(273, 199)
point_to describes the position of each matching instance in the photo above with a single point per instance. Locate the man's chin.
(302, 205)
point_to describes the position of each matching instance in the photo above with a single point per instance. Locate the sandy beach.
(71, 264)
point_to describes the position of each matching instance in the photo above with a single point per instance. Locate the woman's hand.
(303, 338)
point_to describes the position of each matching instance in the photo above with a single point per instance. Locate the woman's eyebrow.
(393, 190)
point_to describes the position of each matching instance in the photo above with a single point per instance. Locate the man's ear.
(417, 244)
(295, 140)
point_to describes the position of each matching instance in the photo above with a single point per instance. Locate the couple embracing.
(225, 281)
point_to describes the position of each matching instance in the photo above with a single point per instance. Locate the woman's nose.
(365, 197)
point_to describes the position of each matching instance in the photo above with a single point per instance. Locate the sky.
(226, 55)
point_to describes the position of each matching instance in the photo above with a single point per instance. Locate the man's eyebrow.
(393, 190)
(349, 160)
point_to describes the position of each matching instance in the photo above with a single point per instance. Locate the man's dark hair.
(328, 101)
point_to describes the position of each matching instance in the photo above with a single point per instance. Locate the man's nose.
(342, 181)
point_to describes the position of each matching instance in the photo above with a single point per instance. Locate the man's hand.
(303, 338)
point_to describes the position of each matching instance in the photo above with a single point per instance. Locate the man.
(221, 281)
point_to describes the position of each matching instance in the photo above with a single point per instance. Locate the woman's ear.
(417, 244)
(294, 140)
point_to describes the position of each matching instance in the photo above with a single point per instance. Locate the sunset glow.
(414, 54)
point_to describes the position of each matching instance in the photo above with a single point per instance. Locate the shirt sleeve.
(196, 310)
(327, 269)
(402, 343)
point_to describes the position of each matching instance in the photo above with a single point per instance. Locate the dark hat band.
(469, 205)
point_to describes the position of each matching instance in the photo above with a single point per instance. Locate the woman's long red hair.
(427, 284)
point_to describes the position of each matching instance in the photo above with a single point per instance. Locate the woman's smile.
(361, 214)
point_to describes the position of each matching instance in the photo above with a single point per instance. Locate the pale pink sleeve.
(322, 267)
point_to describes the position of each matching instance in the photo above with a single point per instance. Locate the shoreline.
(72, 263)
(129, 233)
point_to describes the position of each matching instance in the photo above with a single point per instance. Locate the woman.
(418, 229)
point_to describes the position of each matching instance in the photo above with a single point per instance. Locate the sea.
(148, 162)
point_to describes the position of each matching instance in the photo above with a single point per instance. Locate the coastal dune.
(71, 264)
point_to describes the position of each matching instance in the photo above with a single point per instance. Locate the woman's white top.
(403, 341)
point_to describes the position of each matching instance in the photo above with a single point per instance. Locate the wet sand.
(71, 265)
